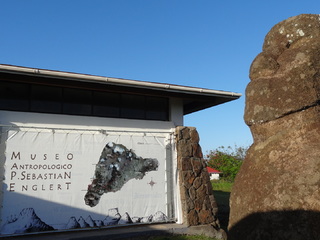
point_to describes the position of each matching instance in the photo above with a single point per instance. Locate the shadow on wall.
(37, 215)
(41, 194)
(277, 225)
(34, 215)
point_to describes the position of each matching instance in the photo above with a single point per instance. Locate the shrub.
(227, 160)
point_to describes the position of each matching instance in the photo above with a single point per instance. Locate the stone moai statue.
(276, 194)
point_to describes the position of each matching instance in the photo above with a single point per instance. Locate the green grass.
(221, 191)
(221, 185)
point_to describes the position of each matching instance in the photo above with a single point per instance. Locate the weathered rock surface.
(285, 76)
(276, 193)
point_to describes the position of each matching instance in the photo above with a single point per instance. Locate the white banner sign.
(64, 180)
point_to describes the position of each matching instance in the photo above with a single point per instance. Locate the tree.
(227, 160)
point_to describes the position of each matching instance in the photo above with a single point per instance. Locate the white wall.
(55, 121)
(214, 176)
(176, 111)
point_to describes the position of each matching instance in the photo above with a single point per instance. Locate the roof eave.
(212, 97)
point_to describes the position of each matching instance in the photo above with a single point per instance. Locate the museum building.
(81, 151)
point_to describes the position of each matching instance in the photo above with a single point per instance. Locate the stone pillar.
(198, 203)
(276, 194)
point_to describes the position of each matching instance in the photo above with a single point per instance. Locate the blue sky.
(204, 43)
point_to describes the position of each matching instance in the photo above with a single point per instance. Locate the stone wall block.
(188, 178)
(196, 150)
(184, 204)
(197, 182)
(205, 175)
(204, 167)
(185, 213)
(214, 205)
(194, 136)
(193, 218)
(202, 191)
(184, 194)
(185, 133)
(192, 193)
(196, 165)
(178, 133)
(207, 203)
(185, 164)
(205, 217)
(198, 203)
(209, 190)
(182, 133)
(190, 205)
(185, 149)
